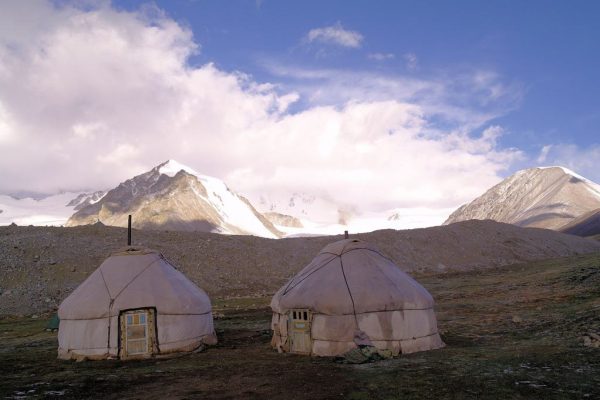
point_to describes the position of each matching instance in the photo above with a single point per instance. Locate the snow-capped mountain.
(52, 210)
(283, 220)
(85, 199)
(174, 196)
(303, 206)
(545, 197)
(321, 215)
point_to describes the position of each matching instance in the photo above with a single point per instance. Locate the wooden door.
(138, 334)
(299, 331)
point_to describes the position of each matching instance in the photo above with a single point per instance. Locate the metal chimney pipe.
(129, 230)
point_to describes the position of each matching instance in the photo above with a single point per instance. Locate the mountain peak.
(157, 200)
(566, 171)
(172, 167)
(542, 197)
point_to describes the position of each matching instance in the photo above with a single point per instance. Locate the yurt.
(350, 296)
(135, 305)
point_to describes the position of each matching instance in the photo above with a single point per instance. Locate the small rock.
(47, 300)
(594, 336)
(35, 316)
(73, 269)
(52, 262)
(516, 319)
(587, 341)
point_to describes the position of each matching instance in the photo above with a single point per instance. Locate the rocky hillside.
(86, 199)
(40, 266)
(538, 197)
(585, 225)
(172, 196)
(283, 220)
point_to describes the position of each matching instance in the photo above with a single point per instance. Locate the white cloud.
(380, 56)
(91, 97)
(336, 35)
(583, 160)
(462, 101)
(6, 128)
(544, 153)
(412, 62)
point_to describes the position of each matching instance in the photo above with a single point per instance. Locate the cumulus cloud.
(336, 35)
(90, 97)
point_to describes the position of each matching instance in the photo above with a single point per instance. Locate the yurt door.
(299, 331)
(138, 334)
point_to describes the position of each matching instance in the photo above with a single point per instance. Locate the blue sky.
(550, 48)
(372, 105)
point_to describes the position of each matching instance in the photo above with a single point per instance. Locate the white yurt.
(351, 295)
(135, 305)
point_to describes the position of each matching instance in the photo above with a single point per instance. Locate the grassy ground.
(511, 333)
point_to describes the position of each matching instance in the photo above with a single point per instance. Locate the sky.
(369, 105)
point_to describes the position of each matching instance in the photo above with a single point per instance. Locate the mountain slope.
(172, 196)
(548, 197)
(587, 224)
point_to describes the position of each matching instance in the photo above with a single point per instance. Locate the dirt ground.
(513, 332)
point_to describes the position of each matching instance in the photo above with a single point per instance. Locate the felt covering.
(350, 285)
(131, 279)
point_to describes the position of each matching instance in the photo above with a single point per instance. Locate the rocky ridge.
(548, 197)
(585, 225)
(172, 196)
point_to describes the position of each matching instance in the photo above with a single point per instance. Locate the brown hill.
(40, 266)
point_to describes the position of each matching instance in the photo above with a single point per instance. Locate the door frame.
(152, 337)
(308, 330)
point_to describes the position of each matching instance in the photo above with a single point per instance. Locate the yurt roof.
(134, 278)
(351, 277)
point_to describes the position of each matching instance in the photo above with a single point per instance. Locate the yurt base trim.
(138, 328)
(330, 348)
(195, 345)
(283, 326)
